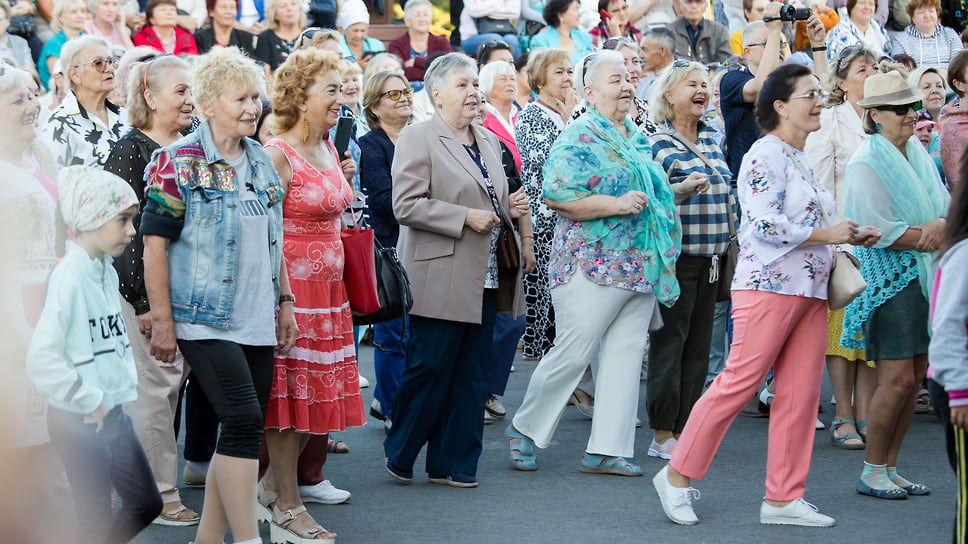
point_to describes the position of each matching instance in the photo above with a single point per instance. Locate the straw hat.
(888, 89)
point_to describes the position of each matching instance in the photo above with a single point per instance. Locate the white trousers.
(592, 321)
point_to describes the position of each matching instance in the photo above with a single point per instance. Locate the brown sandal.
(337, 446)
(178, 517)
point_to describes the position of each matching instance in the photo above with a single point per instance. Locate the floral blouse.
(780, 197)
(76, 137)
(845, 33)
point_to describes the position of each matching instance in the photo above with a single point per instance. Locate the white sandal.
(263, 504)
(279, 532)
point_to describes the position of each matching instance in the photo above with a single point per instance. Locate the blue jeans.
(507, 331)
(470, 45)
(389, 365)
(722, 338)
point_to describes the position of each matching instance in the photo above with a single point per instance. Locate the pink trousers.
(787, 333)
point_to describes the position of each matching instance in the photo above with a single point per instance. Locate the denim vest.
(203, 261)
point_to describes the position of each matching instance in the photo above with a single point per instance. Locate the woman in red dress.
(315, 389)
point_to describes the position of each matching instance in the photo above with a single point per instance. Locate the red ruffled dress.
(316, 387)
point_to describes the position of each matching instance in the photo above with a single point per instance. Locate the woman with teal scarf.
(613, 261)
(895, 187)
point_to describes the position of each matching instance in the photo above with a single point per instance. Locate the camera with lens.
(790, 13)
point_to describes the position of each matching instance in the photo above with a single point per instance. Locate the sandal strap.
(525, 445)
(838, 422)
(283, 518)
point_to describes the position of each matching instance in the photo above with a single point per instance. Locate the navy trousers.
(389, 365)
(507, 332)
(440, 401)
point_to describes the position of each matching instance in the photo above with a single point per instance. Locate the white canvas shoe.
(676, 501)
(798, 512)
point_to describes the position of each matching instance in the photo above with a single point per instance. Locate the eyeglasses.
(614, 43)
(395, 94)
(101, 64)
(812, 96)
(901, 109)
(783, 44)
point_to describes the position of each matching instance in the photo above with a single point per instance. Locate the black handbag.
(392, 288)
(22, 25)
(486, 25)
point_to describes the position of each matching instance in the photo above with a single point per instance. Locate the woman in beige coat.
(451, 199)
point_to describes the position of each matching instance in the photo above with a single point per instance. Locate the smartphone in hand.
(344, 128)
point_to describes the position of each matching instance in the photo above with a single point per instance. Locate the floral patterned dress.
(316, 387)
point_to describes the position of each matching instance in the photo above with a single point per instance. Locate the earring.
(878, 127)
(304, 133)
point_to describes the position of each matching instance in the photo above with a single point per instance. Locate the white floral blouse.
(76, 137)
(780, 202)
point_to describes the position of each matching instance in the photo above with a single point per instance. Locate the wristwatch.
(287, 298)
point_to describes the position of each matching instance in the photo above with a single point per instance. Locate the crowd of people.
(630, 191)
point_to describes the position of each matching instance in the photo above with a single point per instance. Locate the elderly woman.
(354, 19)
(925, 40)
(613, 263)
(214, 203)
(162, 32)
(286, 21)
(13, 49)
(779, 308)
(616, 24)
(108, 23)
(499, 85)
(387, 99)
(930, 82)
(86, 125)
(451, 199)
(159, 108)
(418, 44)
(829, 149)
(639, 111)
(222, 32)
(535, 130)
(685, 146)
(895, 186)
(305, 102)
(954, 119)
(858, 26)
(563, 17)
(67, 20)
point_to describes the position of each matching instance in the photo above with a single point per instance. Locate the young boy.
(80, 358)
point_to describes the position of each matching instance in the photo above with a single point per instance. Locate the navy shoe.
(457, 479)
(894, 493)
(405, 476)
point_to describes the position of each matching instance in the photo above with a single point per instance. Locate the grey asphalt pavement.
(558, 504)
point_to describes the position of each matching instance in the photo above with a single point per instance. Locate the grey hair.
(664, 36)
(668, 79)
(414, 3)
(128, 60)
(838, 70)
(72, 50)
(914, 79)
(445, 66)
(59, 7)
(752, 32)
(93, 4)
(376, 61)
(489, 73)
(586, 72)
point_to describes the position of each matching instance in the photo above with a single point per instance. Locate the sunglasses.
(901, 109)
(102, 64)
(395, 94)
(584, 67)
(848, 53)
(783, 44)
(614, 43)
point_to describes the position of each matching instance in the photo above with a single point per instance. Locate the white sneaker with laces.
(798, 512)
(324, 493)
(676, 501)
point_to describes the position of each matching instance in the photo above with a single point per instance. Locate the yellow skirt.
(835, 327)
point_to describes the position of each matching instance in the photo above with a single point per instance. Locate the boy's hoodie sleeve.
(48, 364)
(948, 353)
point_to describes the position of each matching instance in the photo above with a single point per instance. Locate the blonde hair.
(669, 79)
(540, 62)
(139, 112)
(377, 60)
(350, 67)
(373, 92)
(273, 5)
(292, 79)
(318, 39)
(59, 7)
(219, 70)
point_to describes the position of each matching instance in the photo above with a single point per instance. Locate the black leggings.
(95, 463)
(236, 379)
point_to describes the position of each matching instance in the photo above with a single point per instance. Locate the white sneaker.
(820, 425)
(798, 512)
(664, 450)
(676, 501)
(323, 493)
(364, 383)
(494, 407)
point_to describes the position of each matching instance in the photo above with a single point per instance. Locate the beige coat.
(435, 182)
(831, 148)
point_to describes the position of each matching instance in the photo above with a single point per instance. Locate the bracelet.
(287, 298)
(821, 48)
(528, 236)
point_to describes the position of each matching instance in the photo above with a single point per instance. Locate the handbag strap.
(675, 134)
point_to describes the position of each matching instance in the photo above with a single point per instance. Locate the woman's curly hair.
(292, 79)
